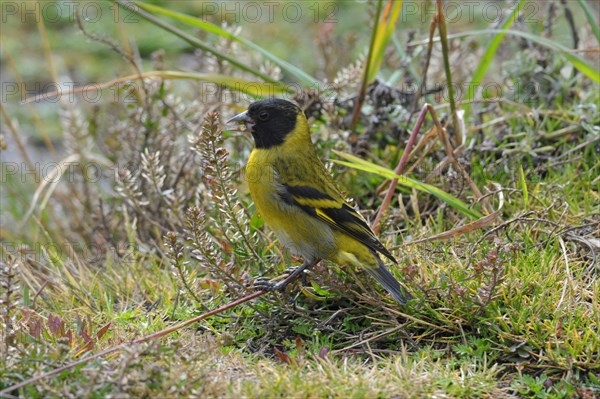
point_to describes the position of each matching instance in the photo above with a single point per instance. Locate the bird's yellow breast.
(302, 234)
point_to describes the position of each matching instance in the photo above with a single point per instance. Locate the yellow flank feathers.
(298, 199)
(318, 203)
(322, 215)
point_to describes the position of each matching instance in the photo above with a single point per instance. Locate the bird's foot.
(298, 272)
(266, 284)
(295, 270)
(290, 274)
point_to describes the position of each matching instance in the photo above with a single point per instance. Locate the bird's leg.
(269, 285)
(290, 270)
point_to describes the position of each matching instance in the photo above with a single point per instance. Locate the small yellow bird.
(298, 199)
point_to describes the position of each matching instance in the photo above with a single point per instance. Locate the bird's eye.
(263, 115)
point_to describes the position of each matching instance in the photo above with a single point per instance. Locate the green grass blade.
(360, 164)
(253, 89)
(249, 87)
(589, 14)
(577, 61)
(458, 134)
(385, 29)
(362, 93)
(523, 184)
(302, 76)
(191, 40)
(488, 55)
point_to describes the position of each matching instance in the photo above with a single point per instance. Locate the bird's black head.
(269, 121)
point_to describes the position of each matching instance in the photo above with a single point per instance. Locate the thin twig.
(192, 40)
(450, 153)
(147, 338)
(20, 144)
(441, 20)
(572, 26)
(399, 169)
(37, 121)
(423, 83)
(116, 48)
(568, 278)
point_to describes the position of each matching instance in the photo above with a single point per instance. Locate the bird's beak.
(242, 118)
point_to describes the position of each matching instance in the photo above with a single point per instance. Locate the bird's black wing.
(332, 211)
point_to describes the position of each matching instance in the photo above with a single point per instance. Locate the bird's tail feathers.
(389, 282)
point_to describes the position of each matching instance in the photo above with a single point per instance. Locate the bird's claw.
(266, 284)
(289, 275)
(291, 270)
